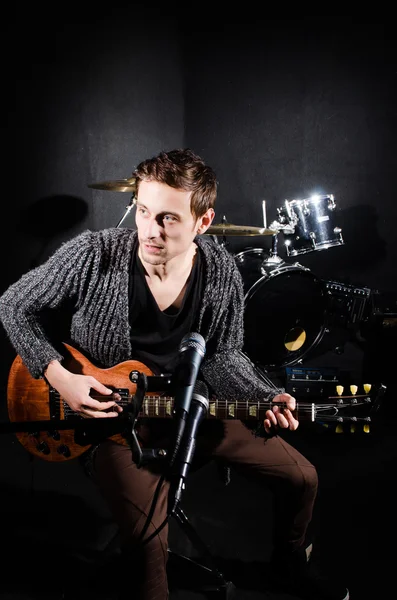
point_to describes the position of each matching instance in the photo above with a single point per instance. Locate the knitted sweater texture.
(90, 272)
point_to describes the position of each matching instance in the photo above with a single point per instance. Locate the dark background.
(282, 109)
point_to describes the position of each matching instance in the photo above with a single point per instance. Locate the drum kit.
(285, 303)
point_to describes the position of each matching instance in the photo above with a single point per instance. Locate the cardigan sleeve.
(48, 286)
(233, 376)
(228, 370)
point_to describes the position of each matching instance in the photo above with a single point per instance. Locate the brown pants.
(129, 491)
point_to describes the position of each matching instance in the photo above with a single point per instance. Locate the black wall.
(280, 108)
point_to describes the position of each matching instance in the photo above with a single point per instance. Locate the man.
(135, 295)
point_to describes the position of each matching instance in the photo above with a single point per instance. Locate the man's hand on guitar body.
(76, 390)
(281, 416)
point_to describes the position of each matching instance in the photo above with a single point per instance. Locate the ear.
(205, 221)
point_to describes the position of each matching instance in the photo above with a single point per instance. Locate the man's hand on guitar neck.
(76, 389)
(281, 416)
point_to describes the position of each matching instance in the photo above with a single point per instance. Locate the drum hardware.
(119, 185)
(272, 258)
(215, 238)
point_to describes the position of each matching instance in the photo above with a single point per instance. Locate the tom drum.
(313, 223)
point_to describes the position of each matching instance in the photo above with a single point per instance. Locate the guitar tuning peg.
(339, 428)
(352, 428)
(366, 428)
(339, 390)
(367, 387)
(353, 389)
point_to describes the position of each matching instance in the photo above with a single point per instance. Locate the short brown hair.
(182, 169)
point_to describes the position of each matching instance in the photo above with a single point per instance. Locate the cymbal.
(229, 229)
(119, 185)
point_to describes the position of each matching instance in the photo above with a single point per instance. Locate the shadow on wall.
(41, 223)
(363, 247)
(49, 217)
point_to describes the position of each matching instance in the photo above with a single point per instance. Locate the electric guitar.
(47, 427)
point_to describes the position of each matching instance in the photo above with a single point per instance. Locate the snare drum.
(312, 220)
(285, 309)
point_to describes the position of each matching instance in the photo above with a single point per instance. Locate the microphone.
(191, 354)
(198, 410)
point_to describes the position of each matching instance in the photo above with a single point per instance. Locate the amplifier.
(384, 308)
(347, 305)
(308, 382)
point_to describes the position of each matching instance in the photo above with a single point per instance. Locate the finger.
(281, 420)
(271, 417)
(267, 425)
(293, 423)
(101, 405)
(99, 387)
(98, 414)
(289, 401)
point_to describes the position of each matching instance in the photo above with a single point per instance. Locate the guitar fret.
(157, 406)
(168, 407)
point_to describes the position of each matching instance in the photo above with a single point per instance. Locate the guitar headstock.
(353, 411)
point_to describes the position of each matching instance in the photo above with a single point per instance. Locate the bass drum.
(285, 308)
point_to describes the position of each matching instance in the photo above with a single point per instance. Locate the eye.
(170, 219)
(142, 211)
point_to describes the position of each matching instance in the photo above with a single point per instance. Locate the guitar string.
(158, 403)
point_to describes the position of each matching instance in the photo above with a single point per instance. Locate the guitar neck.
(245, 410)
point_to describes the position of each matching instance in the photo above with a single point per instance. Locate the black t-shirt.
(156, 334)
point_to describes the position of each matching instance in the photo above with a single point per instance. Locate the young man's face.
(166, 226)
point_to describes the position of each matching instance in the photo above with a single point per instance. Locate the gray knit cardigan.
(91, 271)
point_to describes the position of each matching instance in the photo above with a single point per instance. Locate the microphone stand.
(141, 456)
(210, 568)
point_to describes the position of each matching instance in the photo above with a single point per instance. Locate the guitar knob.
(339, 428)
(352, 429)
(64, 450)
(366, 428)
(353, 389)
(339, 390)
(43, 448)
(367, 387)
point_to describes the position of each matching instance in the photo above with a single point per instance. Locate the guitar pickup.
(153, 383)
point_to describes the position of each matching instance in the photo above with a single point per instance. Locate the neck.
(180, 264)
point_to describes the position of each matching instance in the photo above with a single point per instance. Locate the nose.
(153, 228)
